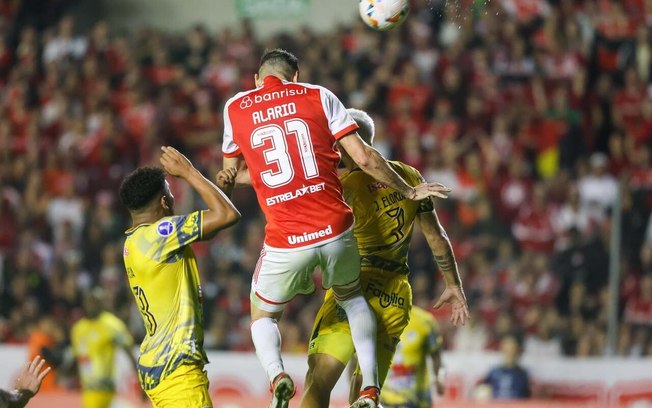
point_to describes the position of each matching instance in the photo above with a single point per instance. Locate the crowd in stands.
(538, 114)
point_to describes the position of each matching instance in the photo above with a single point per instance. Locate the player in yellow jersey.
(408, 382)
(384, 220)
(95, 338)
(164, 279)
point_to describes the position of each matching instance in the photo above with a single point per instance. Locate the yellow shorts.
(389, 295)
(186, 387)
(97, 399)
(406, 399)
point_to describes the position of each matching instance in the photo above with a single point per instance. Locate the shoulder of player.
(402, 168)
(310, 86)
(109, 317)
(78, 325)
(323, 91)
(351, 175)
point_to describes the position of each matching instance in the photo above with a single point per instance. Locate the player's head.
(145, 190)
(280, 63)
(366, 126)
(92, 303)
(510, 346)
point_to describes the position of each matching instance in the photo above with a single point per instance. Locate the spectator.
(509, 380)
(598, 189)
(533, 227)
(639, 309)
(27, 384)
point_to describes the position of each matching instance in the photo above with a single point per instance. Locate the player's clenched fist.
(225, 179)
(175, 163)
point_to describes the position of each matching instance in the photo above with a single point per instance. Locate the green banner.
(271, 8)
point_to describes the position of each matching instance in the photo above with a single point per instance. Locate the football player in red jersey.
(285, 133)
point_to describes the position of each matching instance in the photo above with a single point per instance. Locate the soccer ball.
(384, 15)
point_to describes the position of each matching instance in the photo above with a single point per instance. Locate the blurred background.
(538, 113)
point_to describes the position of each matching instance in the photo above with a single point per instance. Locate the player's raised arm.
(222, 213)
(235, 173)
(374, 164)
(443, 253)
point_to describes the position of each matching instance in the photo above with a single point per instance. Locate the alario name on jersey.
(274, 112)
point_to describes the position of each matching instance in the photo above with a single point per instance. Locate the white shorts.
(281, 275)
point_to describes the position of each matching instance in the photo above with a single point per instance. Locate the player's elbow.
(214, 221)
(230, 217)
(365, 157)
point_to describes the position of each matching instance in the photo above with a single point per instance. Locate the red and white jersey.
(286, 133)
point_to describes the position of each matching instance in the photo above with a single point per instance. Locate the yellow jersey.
(384, 218)
(94, 342)
(164, 279)
(408, 380)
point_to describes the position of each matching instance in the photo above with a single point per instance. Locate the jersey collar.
(133, 229)
(271, 80)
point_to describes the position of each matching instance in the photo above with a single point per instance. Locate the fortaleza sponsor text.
(386, 299)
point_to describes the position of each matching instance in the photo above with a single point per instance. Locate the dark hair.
(279, 60)
(142, 186)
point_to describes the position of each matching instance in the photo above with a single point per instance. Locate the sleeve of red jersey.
(229, 147)
(340, 122)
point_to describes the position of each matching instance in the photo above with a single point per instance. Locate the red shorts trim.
(258, 264)
(271, 302)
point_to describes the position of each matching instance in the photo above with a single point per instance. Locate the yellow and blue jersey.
(94, 342)
(408, 383)
(164, 279)
(384, 218)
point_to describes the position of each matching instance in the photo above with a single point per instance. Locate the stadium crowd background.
(537, 114)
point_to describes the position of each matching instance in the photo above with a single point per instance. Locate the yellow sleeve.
(173, 234)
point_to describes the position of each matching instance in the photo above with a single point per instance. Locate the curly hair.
(142, 186)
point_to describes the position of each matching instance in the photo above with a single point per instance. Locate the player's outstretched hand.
(454, 296)
(175, 163)
(225, 179)
(32, 375)
(426, 190)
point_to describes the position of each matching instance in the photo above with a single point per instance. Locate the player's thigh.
(97, 399)
(390, 296)
(340, 261)
(186, 387)
(331, 334)
(280, 276)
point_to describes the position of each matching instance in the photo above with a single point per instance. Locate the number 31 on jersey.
(277, 154)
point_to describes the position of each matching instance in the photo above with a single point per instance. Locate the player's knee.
(318, 386)
(322, 375)
(258, 312)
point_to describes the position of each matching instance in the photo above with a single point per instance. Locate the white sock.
(267, 341)
(362, 321)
